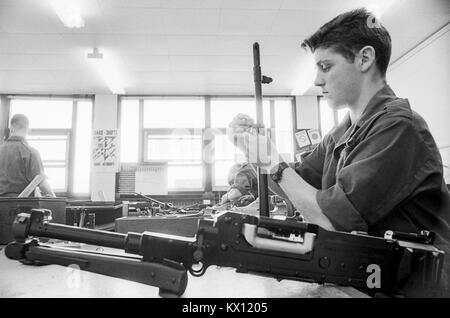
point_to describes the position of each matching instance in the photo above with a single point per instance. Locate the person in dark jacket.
(380, 168)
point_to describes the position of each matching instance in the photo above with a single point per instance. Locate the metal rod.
(263, 186)
(76, 234)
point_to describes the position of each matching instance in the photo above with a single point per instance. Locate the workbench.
(19, 280)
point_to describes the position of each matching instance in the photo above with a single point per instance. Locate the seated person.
(243, 182)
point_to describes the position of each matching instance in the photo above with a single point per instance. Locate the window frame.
(70, 132)
(146, 132)
(208, 168)
(57, 132)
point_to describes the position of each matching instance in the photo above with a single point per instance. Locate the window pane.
(174, 148)
(224, 149)
(326, 117)
(221, 169)
(50, 147)
(224, 110)
(82, 164)
(225, 155)
(129, 131)
(38, 112)
(56, 178)
(185, 177)
(176, 113)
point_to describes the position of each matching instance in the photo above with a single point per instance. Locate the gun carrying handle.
(250, 233)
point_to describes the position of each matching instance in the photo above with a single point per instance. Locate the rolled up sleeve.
(339, 210)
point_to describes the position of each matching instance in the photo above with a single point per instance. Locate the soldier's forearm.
(303, 197)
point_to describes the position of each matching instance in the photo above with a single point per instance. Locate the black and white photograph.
(225, 155)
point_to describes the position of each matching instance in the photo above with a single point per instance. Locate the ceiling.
(182, 46)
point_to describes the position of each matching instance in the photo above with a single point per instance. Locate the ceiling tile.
(135, 20)
(22, 19)
(299, 22)
(149, 77)
(42, 43)
(10, 44)
(17, 62)
(136, 63)
(191, 4)
(187, 21)
(252, 4)
(19, 77)
(237, 44)
(60, 61)
(246, 21)
(192, 45)
(130, 3)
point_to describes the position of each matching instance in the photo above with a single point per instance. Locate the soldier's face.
(339, 79)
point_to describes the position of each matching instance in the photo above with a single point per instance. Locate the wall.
(307, 112)
(4, 117)
(103, 180)
(422, 76)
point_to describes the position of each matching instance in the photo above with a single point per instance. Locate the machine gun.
(283, 249)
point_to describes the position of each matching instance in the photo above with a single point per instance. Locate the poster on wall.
(105, 148)
(307, 140)
(302, 138)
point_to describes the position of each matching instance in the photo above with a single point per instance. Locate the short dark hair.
(351, 31)
(19, 121)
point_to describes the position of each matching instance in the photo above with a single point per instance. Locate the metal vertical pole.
(263, 186)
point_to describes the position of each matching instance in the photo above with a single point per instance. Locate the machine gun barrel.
(34, 225)
(169, 276)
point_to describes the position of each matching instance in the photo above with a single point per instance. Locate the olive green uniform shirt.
(383, 172)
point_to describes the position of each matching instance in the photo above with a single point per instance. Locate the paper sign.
(152, 179)
(302, 138)
(104, 148)
(314, 136)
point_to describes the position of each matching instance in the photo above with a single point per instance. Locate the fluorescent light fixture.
(68, 12)
(306, 73)
(107, 69)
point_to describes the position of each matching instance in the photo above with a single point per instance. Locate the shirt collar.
(16, 138)
(375, 104)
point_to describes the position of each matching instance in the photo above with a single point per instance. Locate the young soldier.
(379, 169)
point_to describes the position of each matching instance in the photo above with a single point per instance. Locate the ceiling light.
(107, 69)
(68, 12)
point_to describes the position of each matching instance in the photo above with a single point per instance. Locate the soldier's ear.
(366, 58)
